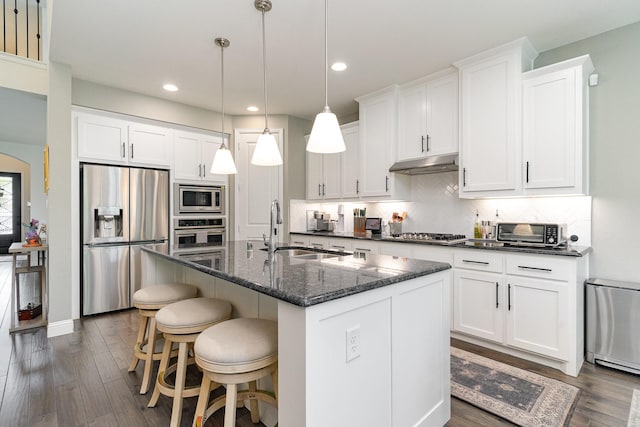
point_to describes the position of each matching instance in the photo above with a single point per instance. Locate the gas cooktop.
(439, 238)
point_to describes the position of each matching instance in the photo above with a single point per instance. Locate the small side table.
(40, 267)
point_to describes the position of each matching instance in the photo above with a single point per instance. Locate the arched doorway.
(10, 209)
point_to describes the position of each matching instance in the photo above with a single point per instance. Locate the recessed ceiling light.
(169, 87)
(252, 108)
(339, 66)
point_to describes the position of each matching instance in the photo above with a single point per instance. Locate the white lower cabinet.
(537, 316)
(527, 305)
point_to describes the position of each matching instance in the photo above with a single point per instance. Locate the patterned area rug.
(524, 398)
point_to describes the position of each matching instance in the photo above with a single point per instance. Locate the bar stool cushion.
(238, 345)
(192, 315)
(157, 296)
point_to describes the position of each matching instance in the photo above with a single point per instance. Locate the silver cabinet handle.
(527, 180)
(319, 187)
(324, 193)
(337, 246)
(131, 150)
(362, 250)
(497, 303)
(386, 184)
(475, 262)
(317, 245)
(509, 297)
(357, 186)
(204, 171)
(422, 143)
(464, 177)
(524, 267)
(428, 145)
(124, 153)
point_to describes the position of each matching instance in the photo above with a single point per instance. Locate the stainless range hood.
(433, 164)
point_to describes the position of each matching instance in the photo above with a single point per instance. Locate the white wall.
(615, 148)
(27, 160)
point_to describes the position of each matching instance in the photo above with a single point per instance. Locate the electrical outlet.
(353, 343)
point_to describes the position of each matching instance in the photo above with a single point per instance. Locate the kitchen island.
(362, 339)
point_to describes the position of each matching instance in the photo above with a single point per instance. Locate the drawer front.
(478, 260)
(552, 268)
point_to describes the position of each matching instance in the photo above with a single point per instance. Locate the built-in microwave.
(198, 199)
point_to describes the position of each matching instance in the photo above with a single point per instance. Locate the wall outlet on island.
(353, 343)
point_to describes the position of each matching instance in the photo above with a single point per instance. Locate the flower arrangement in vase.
(32, 235)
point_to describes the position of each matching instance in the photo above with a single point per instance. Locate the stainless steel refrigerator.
(123, 209)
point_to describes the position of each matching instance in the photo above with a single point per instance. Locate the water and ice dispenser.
(107, 221)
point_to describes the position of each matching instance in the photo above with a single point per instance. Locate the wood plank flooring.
(81, 379)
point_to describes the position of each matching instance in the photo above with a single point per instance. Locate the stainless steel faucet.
(274, 219)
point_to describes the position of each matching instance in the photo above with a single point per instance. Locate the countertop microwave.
(198, 199)
(531, 234)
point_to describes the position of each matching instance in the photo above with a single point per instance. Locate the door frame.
(17, 205)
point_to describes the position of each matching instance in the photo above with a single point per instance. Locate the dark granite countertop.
(570, 251)
(302, 282)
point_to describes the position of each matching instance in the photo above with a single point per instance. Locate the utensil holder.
(359, 224)
(395, 228)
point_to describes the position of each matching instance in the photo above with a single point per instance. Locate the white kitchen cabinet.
(428, 116)
(366, 246)
(341, 245)
(530, 306)
(323, 176)
(490, 119)
(537, 316)
(150, 145)
(378, 138)
(351, 161)
(109, 139)
(298, 240)
(193, 156)
(555, 128)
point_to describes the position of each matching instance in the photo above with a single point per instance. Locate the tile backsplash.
(435, 207)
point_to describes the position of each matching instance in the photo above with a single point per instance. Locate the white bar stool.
(182, 322)
(234, 352)
(148, 301)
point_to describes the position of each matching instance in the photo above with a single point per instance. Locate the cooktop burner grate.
(443, 238)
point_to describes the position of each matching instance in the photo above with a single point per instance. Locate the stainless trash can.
(612, 319)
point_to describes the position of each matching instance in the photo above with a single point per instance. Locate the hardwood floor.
(81, 379)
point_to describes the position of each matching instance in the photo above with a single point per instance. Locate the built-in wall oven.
(198, 199)
(199, 232)
(213, 257)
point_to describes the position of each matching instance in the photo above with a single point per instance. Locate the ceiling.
(139, 45)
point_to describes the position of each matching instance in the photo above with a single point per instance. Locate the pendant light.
(326, 136)
(266, 152)
(223, 161)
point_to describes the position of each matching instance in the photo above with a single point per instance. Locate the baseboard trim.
(62, 327)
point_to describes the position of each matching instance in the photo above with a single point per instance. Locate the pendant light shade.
(326, 136)
(266, 152)
(223, 161)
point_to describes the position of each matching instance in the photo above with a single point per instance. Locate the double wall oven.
(199, 232)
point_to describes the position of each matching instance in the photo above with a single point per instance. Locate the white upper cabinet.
(490, 121)
(378, 138)
(193, 156)
(555, 128)
(351, 160)
(108, 139)
(323, 171)
(150, 145)
(428, 116)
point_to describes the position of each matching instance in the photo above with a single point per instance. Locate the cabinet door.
(210, 145)
(298, 240)
(332, 177)
(187, 156)
(102, 138)
(488, 123)
(314, 176)
(319, 242)
(412, 122)
(537, 316)
(149, 145)
(350, 161)
(377, 140)
(549, 130)
(478, 300)
(442, 116)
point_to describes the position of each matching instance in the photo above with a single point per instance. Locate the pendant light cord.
(222, 90)
(264, 67)
(326, 55)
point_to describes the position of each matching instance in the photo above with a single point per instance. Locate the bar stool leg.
(203, 400)
(148, 363)
(142, 331)
(181, 371)
(164, 363)
(230, 405)
(253, 403)
(274, 381)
